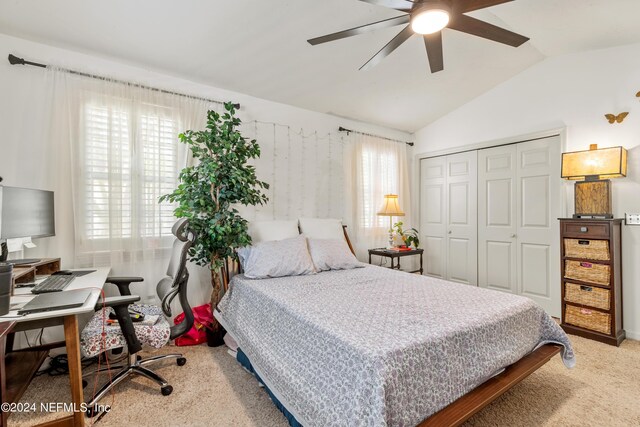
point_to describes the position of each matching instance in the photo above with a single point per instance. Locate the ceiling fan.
(428, 18)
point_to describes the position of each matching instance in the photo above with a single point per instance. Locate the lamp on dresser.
(592, 248)
(390, 208)
(593, 169)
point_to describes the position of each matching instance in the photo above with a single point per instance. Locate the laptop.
(56, 301)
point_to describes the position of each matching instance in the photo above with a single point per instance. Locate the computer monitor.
(26, 212)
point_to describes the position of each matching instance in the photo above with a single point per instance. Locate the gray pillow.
(332, 254)
(278, 258)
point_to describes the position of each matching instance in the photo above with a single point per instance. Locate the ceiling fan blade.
(479, 28)
(391, 22)
(393, 4)
(433, 43)
(463, 6)
(400, 38)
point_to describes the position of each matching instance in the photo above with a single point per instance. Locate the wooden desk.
(396, 255)
(67, 318)
(26, 273)
(5, 330)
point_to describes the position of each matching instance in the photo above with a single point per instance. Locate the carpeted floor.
(213, 390)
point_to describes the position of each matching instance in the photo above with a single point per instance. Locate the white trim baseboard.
(633, 335)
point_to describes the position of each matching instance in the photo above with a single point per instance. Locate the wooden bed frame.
(477, 399)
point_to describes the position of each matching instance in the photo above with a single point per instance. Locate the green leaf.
(221, 179)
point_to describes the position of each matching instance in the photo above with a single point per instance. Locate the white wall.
(572, 91)
(28, 159)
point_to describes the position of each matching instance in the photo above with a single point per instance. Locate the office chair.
(133, 334)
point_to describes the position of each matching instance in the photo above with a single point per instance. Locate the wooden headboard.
(346, 236)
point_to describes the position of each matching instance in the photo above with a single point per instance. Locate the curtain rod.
(348, 131)
(14, 60)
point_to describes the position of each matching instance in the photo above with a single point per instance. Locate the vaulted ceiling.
(259, 47)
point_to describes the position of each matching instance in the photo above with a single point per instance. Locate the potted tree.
(208, 192)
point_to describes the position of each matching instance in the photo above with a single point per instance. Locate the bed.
(375, 347)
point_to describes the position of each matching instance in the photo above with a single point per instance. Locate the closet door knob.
(449, 231)
(514, 236)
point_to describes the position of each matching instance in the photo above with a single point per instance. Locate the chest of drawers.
(592, 279)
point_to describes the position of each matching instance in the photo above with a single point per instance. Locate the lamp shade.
(595, 163)
(390, 206)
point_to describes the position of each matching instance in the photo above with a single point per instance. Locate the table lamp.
(593, 168)
(390, 208)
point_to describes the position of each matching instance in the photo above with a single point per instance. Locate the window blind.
(379, 177)
(130, 160)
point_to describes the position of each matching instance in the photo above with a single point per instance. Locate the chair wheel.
(181, 361)
(166, 390)
(84, 383)
(138, 358)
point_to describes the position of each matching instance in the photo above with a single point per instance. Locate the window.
(160, 172)
(379, 177)
(129, 161)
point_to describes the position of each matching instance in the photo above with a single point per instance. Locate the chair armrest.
(123, 283)
(117, 301)
(120, 306)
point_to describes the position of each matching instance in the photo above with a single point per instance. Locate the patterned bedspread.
(375, 347)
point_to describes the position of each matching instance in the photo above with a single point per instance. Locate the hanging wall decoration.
(301, 167)
(612, 118)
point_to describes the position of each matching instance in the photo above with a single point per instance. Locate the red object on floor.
(198, 332)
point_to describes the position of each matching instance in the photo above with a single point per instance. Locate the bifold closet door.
(462, 218)
(497, 247)
(538, 208)
(518, 203)
(448, 213)
(433, 213)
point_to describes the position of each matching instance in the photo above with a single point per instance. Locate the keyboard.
(52, 284)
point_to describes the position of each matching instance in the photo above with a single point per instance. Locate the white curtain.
(125, 153)
(374, 167)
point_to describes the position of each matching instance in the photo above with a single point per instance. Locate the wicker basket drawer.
(588, 319)
(585, 248)
(587, 295)
(587, 272)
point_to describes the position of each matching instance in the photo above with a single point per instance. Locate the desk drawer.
(587, 249)
(588, 319)
(588, 272)
(587, 295)
(590, 230)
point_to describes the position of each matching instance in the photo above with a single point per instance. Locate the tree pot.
(215, 338)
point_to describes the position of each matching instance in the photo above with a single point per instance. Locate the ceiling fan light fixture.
(429, 21)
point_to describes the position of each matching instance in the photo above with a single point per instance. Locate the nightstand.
(396, 255)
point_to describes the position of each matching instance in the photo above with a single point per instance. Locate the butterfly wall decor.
(612, 118)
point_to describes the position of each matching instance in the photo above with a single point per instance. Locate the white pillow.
(265, 231)
(278, 258)
(332, 254)
(325, 228)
